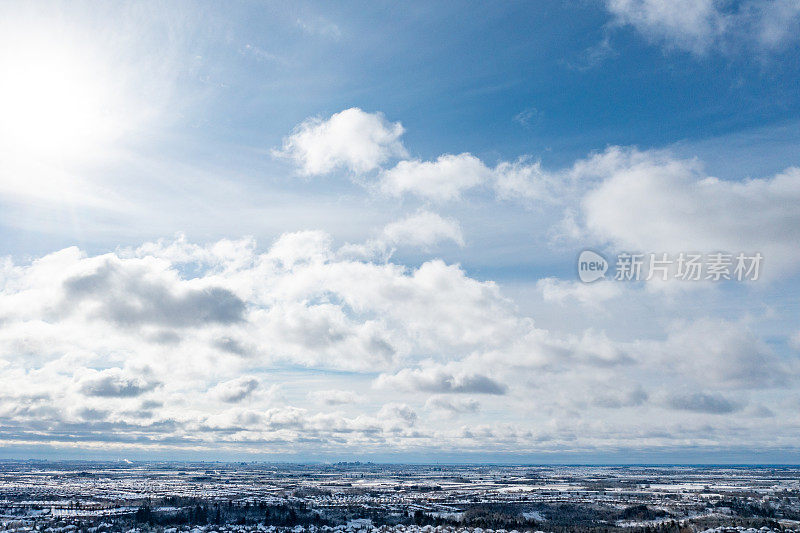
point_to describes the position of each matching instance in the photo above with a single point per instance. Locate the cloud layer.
(87, 351)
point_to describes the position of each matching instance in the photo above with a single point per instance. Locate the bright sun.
(54, 101)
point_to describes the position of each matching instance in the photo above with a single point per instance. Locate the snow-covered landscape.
(263, 497)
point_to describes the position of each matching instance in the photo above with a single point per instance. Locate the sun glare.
(54, 101)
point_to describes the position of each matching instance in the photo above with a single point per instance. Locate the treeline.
(205, 513)
(561, 518)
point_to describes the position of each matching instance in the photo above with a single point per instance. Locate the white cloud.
(526, 181)
(700, 25)
(434, 337)
(301, 247)
(452, 405)
(131, 293)
(589, 294)
(724, 354)
(320, 27)
(775, 23)
(618, 397)
(649, 201)
(398, 412)
(690, 24)
(351, 139)
(433, 379)
(235, 390)
(703, 403)
(441, 180)
(652, 201)
(362, 142)
(423, 228)
(115, 383)
(334, 397)
(794, 341)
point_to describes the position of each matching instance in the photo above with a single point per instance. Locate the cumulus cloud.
(235, 390)
(351, 139)
(362, 142)
(651, 201)
(635, 200)
(334, 397)
(231, 345)
(131, 294)
(691, 209)
(298, 303)
(398, 412)
(526, 181)
(724, 353)
(625, 197)
(301, 247)
(422, 228)
(441, 180)
(439, 380)
(115, 383)
(449, 176)
(616, 398)
(452, 405)
(700, 25)
(703, 403)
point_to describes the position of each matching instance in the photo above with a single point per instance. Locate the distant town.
(61, 497)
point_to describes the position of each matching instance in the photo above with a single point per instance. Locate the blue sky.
(259, 229)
